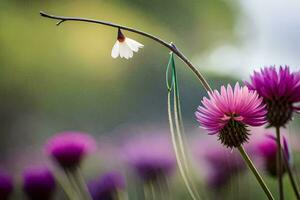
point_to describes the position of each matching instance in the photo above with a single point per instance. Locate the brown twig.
(171, 47)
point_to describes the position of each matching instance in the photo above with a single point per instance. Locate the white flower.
(125, 46)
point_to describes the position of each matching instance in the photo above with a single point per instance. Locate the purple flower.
(218, 164)
(267, 150)
(38, 183)
(229, 112)
(69, 148)
(106, 186)
(280, 90)
(6, 185)
(151, 156)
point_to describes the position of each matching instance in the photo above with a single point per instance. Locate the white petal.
(122, 49)
(130, 53)
(115, 50)
(134, 45)
(125, 51)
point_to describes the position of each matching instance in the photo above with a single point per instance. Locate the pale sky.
(269, 31)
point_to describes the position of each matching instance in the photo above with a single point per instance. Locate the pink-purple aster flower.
(106, 186)
(150, 156)
(229, 112)
(6, 185)
(280, 90)
(267, 150)
(38, 183)
(217, 164)
(69, 148)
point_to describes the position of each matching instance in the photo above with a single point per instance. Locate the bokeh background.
(63, 78)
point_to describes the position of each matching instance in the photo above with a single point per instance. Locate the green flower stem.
(149, 191)
(291, 177)
(121, 195)
(178, 116)
(177, 153)
(67, 188)
(255, 172)
(76, 180)
(176, 132)
(73, 184)
(163, 188)
(81, 184)
(279, 164)
(180, 128)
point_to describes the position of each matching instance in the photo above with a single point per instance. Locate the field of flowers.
(149, 100)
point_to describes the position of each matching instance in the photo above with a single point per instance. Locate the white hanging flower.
(125, 46)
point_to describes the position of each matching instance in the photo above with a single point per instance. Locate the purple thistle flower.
(267, 150)
(219, 164)
(6, 185)
(106, 186)
(151, 156)
(280, 90)
(38, 183)
(230, 112)
(69, 148)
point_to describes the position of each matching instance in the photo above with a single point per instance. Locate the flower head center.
(234, 133)
(279, 112)
(232, 116)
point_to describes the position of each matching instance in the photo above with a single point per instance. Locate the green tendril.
(177, 130)
(170, 83)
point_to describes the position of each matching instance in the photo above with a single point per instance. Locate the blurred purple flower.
(229, 112)
(219, 164)
(267, 150)
(151, 156)
(106, 186)
(69, 148)
(6, 185)
(38, 183)
(280, 90)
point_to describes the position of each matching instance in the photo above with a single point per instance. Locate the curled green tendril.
(177, 130)
(170, 83)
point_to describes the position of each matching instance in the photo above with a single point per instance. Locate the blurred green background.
(63, 78)
(57, 78)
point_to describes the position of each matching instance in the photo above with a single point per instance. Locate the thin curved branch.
(171, 47)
